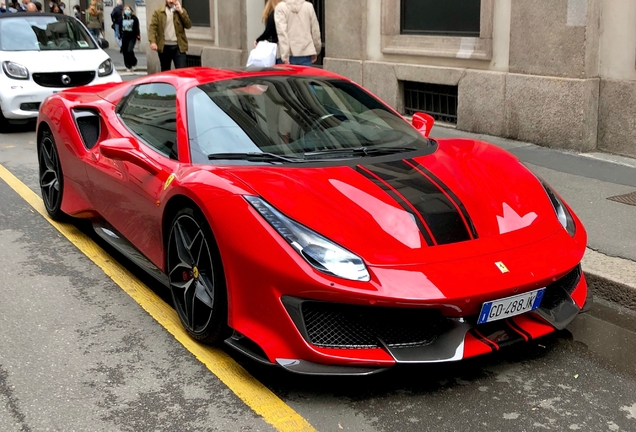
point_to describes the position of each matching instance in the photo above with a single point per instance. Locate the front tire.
(196, 277)
(51, 177)
(4, 123)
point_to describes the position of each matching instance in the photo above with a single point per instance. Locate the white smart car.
(42, 54)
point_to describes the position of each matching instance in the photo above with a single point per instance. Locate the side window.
(150, 111)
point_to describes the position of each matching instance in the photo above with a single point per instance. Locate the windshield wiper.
(252, 157)
(360, 151)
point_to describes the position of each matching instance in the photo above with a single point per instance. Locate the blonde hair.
(93, 8)
(269, 8)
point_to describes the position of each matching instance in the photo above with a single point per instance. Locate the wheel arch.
(43, 126)
(175, 203)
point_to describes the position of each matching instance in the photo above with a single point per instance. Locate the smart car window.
(27, 32)
(150, 111)
(291, 117)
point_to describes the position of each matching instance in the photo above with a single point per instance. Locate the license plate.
(510, 306)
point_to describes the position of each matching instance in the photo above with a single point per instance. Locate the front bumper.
(268, 329)
(21, 99)
(415, 336)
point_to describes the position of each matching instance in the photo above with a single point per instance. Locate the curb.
(610, 278)
(139, 72)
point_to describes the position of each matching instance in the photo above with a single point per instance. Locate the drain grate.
(629, 199)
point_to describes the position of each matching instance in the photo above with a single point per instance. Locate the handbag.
(264, 55)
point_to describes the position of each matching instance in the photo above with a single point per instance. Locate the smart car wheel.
(4, 124)
(51, 179)
(196, 277)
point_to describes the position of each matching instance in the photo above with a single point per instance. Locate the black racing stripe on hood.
(439, 213)
(451, 194)
(405, 205)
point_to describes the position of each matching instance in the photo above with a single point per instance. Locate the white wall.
(618, 40)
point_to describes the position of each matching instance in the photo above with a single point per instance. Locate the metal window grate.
(192, 60)
(438, 100)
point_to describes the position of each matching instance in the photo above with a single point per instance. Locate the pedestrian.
(298, 32)
(167, 36)
(38, 6)
(3, 7)
(77, 12)
(62, 7)
(55, 9)
(95, 20)
(130, 35)
(116, 17)
(23, 6)
(270, 34)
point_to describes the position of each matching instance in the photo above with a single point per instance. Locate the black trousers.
(171, 54)
(128, 48)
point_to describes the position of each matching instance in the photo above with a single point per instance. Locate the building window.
(441, 17)
(198, 11)
(438, 100)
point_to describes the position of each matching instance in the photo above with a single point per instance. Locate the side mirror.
(127, 150)
(103, 43)
(423, 123)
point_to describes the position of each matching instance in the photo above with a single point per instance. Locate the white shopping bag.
(264, 55)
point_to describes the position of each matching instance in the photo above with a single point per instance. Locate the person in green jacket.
(167, 36)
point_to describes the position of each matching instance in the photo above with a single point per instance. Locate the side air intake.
(89, 126)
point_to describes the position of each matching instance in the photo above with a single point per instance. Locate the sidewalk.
(588, 182)
(118, 60)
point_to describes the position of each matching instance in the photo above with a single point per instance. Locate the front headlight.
(106, 68)
(321, 253)
(15, 70)
(564, 216)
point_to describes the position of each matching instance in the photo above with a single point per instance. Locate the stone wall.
(551, 111)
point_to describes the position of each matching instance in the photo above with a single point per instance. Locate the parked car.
(305, 223)
(42, 54)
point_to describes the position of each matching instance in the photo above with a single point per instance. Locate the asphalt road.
(77, 353)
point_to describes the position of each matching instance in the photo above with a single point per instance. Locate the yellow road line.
(255, 395)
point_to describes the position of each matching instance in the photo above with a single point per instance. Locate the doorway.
(319, 6)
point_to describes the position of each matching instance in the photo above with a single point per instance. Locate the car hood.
(467, 198)
(57, 61)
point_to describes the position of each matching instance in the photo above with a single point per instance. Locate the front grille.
(555, 293)
(332, 325)
(55, 79)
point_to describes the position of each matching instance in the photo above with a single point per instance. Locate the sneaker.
(134, 68)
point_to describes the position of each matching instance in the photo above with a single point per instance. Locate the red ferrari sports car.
(302, 221)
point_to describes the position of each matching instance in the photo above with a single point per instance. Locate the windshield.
(31, 32)
(299, 118)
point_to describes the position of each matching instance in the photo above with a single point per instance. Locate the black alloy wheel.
(51, 178)
(196, 277)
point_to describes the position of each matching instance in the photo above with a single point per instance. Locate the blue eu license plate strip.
(510, 306)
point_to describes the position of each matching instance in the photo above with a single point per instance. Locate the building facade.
(560, 73)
